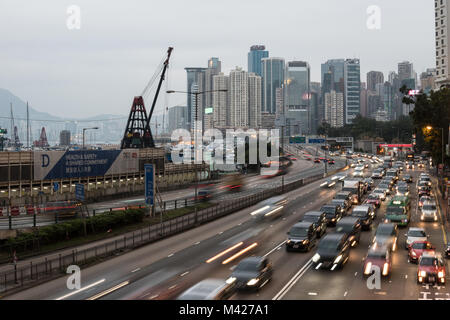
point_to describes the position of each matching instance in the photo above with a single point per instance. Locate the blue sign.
(316, 141)
(55, 186)
(149, 184)
(79, 191)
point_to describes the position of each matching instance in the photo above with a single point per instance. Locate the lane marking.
(183, 274)
(224, 252)
(135, 270)
(274, 249)
(104, 293)
(170, 255)
(198, 242)
(345, 293)
(293, 280)
(81, 289)
(312, 293)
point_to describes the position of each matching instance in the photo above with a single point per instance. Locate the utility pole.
(28, 129)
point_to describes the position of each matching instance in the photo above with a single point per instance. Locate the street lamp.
(84, 130)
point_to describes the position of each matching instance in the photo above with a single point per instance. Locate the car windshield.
(298, 232)
(429, 207)
(428, 261)
(421, 245)
(328, 244)
(417, 233)
(359, 213)
(383, 231)
(247, 266)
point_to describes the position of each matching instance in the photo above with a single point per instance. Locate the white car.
(415, 234)
(429, 211)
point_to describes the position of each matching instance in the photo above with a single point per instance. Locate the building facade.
(352, 88)
(255, 55)
(239, 98)
(273, 78)
(177, 118)
(221, 100)
(254, 100)
(374, 78)
(195, 78)
(334, 109)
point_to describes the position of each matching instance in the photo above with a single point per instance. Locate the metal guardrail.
(50, 268)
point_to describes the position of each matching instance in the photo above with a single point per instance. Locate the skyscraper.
(195, 77)
(363, 99)
(273, 78)
(352, 88)
(254, 100)
(214, 68)
(405, 70)
(177, 118)
(442, 12)
(239, 98)
(373, 78)
(334, 108)
(221, 101)
(256, 54)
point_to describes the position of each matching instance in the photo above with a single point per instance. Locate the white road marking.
(104, 293)
(276, 248)
(170, 255)
(293, 281)
(198, 242)
(183, 274)
(137, 269)
(356, 273)
(312, 293)
(345, 293)
(81, 289)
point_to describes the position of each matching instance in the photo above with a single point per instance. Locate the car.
(270, 208)
(398, 211)
(344, 195)
(409, 165)
(365, 214)
(358, 172)
(429, 212)
(424, 191)
(345, 206)
(302, 237)
(431, 269)
(421, 165)
(402, 190)
(373, 199)
(351, 226)
(417, 248)
(408, 178)
(424, 199)
(381, 193)
(415, 234)
(370, 183)
(209, 289)
(447, 250)
(319, 218)
(332, 252)
(379, 257)
(333, 213)
(386, 187)
(251, 273)
(316, 160)
(386, 235)
(377, 174)
(425, 180)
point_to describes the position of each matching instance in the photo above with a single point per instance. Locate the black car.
(301, 237)
(407, 178)
(447, 251)
(333, 252)
(350, 226)
(333, 213)
(365, 214)
(386, 235)
(319, 218)
(251, 273)
(345, 206)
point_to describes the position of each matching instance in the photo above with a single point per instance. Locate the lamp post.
(84, 130)
(196, 94)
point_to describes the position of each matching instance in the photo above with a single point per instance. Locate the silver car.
(429, 211)
(415, 234)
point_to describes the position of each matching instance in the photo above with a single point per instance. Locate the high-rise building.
(256, 54)
(335, 67)
(195, 77)
(373, 78)
(273, 78)
(373, 103)
(352, 88)
(363, 99)
(405, 70)
(214, 68)
(177, 118)
(221, 101)
(64, 138)
(239, 98)
(254, 100)
(316, 109)
(297, 90)
(427, 80)
(442, 32)
(334, 108)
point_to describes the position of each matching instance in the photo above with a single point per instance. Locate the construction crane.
(137, 131)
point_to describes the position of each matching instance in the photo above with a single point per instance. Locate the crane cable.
(151, 83)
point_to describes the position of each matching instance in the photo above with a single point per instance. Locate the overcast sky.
(100, 67)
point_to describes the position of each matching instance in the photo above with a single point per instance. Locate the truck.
(355, 188)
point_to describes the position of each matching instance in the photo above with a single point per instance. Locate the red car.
(417, 248)
(373, 199)
(317, 160)
(431, 269)
(378, 257)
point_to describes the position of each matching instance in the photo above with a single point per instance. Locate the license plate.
(295, 246)
(431, 279)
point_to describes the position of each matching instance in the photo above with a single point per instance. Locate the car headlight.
(230, 280)
(414, 254)
(423, 274)
(305, 241)
(368, 268)
(441, 274)
(385, 269)
(253, 281)
(288, 241)
(336, 261)
(316, 257)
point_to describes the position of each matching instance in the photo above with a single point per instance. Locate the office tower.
(373, 103)
(267, 120)
(177, 118)
(373, 78)
(334, 108)
(352, 88)
(363, 99)
(195, 77)
(214, 68)
(256, 54)
(297, 90)
(442, 11)
(335, 69)
(318, 113)
(254, 100)
(239, 98)
(405, 70)
(427, 80)
(196, 111)
(273, 78)
(221, 101)
(64, 138)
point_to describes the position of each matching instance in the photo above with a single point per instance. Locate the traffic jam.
(393, 201)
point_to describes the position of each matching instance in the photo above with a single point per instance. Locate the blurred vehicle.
(392, 173)
(356, 189)
(386, 235)
(232, 183)
(429, 212)
(424, 199)
(415, 234)
(345, 205)
(425, 180)
(408, 178)
(351, 227)
(431, 269)
(251, 273)
(380, 257)
(373, 199)
(346, 196)
(209, 289)
(385, 187)
(424, 191)
(332, 212)
(358, 172)
(417, 248)
(316, 160)
(421, 165)
(369, 183)
(341, 176)
(271, 208)
(409, 165)
(328, 183)
(380, 193)
(302, 237)
(319, 218)
(365, 214)
(403, 191)
(377, 174)
(331, 161)
(332, 252)
(447, 250)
